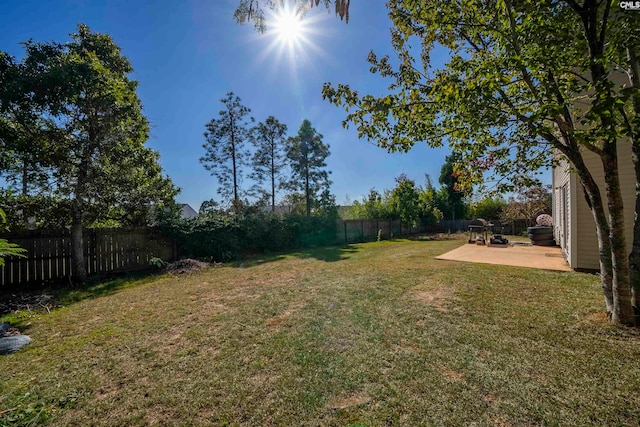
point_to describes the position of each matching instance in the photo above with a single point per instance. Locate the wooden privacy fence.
(48, 254)
(515, 227)
(360, 230)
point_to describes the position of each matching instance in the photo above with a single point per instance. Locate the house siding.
(587, 242)
(561, 181)
(581, 248)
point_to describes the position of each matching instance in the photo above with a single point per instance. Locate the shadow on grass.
(327, 253)
(18, 307)
(323, 253)
(103, 286)
(335, 252)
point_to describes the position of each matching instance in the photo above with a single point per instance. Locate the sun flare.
(288, 26)
(293, 38)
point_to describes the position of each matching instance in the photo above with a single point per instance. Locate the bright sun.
(288, 26)
(292, 37)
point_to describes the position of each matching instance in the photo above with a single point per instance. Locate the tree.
(23, 145)
(455, 206)
(210, 208)
(528, 203)
(524, 80)
(430, 213)
(488, 207)
(95, 131)
(405, 200)
(375, 206)
(225, 152)
(253, 10)
(269, 157)
(307, 153)
(295, 203)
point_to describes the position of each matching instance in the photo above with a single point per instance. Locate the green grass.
(372, 334)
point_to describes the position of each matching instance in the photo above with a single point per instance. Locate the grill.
(478, 231)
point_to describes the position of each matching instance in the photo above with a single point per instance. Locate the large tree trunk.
(634, 256)
(78, 270)
(622, 308)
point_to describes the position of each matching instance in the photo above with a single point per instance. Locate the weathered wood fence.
(515, 227)
(361, 230)
(48, 254)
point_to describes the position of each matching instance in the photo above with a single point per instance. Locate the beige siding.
(587, 243)
(581, 248)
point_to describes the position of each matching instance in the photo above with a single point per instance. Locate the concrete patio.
(541, 257)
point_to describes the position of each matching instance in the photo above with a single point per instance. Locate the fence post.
(345, 232)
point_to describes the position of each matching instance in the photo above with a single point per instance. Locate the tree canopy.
(454, 206)
(524, 80)
(307, 153)
(71, 112)
(269, 159)
(225, 151)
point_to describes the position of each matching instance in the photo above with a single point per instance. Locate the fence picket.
(106, 250)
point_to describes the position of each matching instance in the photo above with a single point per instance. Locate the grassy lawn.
(372, 334)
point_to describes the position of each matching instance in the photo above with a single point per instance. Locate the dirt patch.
(500, 422)
(438, 298)
(598, 318)
(410, 348)
(349, 400)
(282, 320)
(538, 377)
(278, 322)
(490, 398)
(451, 374)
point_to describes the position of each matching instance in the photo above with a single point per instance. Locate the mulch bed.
(185, 266)
(25, 301)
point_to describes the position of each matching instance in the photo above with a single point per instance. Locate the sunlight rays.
(292, 40)
(288, 26)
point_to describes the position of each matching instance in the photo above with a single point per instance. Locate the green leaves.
(405, 200)
(226, 154)
(73, 121)
(307, 153)
(7, 248)
(517, 72)
(269, 158)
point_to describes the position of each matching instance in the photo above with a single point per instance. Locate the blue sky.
(188, 54)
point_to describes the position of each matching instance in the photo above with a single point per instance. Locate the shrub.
(226, 237)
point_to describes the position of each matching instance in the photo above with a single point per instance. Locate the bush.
(226, 237)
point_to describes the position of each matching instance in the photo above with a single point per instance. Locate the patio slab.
(541, 257)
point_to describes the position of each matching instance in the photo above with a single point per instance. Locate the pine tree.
(307, 154)
(225, 153)
(269, 160)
